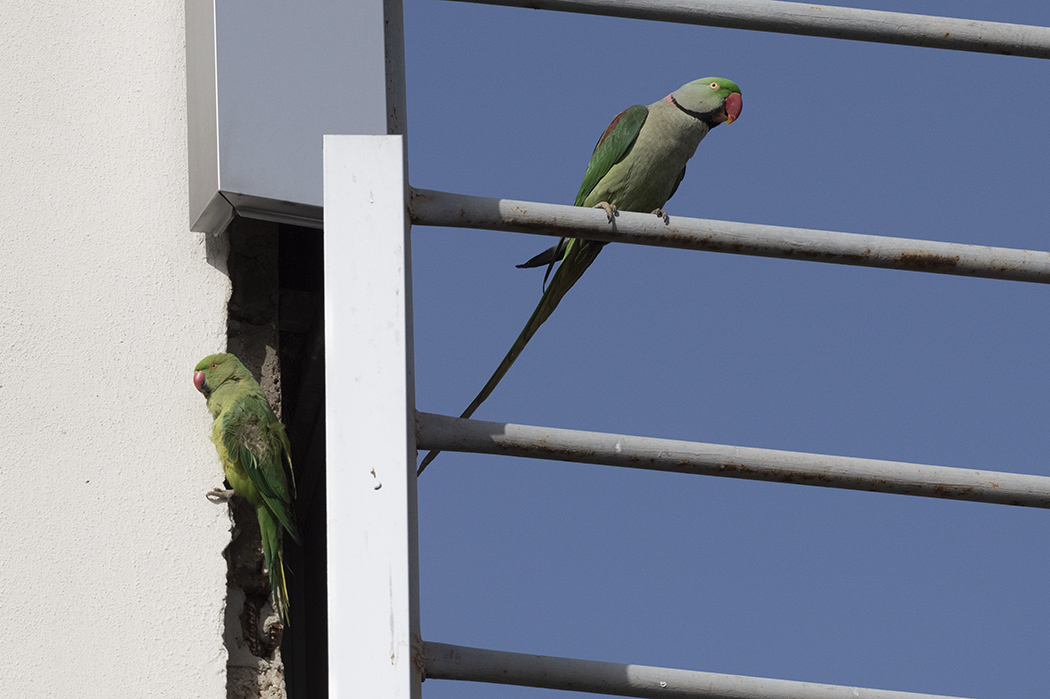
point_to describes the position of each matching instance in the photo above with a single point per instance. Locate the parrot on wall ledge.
(637, 165)
(256, 458)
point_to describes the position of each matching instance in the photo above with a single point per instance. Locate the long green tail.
(578, 257)
(274, 558)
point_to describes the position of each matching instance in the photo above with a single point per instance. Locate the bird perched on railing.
(256, 458)
(637, 165)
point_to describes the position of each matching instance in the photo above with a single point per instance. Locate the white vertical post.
(373, 586)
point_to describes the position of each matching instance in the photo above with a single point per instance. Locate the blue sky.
(713, 574)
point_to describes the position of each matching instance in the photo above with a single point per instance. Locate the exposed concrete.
(253, 634)
(112, 578)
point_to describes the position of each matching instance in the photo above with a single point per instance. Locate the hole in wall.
(275, 327)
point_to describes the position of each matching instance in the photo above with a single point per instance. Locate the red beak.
(198, 380)
(734, 103)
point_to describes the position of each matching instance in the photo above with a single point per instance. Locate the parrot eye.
(214, 366)
(714, 86)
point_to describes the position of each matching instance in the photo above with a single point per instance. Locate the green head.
(215, 370)
(713, 100)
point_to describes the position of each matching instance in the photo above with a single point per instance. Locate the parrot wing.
(253, 435)
(616, 140)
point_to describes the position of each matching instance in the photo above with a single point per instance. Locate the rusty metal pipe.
(432, 208)
(457, 434)
(819, 20)
(449, 662)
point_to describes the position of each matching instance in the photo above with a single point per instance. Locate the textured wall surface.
(111, 570)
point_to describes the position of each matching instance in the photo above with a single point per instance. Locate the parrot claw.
(610, 210)
(219, 495)
(662, 214)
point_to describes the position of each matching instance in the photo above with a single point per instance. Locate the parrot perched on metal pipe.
(637, 165)
(256, 458)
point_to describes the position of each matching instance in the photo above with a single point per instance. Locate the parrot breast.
(646, 177)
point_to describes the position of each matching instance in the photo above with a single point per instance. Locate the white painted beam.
(373, 587)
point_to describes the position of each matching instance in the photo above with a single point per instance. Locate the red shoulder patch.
(610, 127)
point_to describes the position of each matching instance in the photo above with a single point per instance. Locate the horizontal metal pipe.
(457, 434)
(819, 20)
(432, 208)
(449, 662)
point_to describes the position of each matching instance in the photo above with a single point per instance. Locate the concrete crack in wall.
(255, 669)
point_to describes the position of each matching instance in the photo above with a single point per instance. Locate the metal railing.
(369, 208)
(431, 208)
(446, 661)
(819, 20)
(446, 433)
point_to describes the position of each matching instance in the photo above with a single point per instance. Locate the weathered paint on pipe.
(457, 434)
(432, 208)
(819, 20)
(449, 662)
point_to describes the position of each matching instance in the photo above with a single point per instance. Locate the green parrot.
(637, 165)
(254, 451)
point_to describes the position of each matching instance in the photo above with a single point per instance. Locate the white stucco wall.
(111, 570)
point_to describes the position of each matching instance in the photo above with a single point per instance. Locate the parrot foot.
(662, 214)
(610, 210)
(219, 495)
